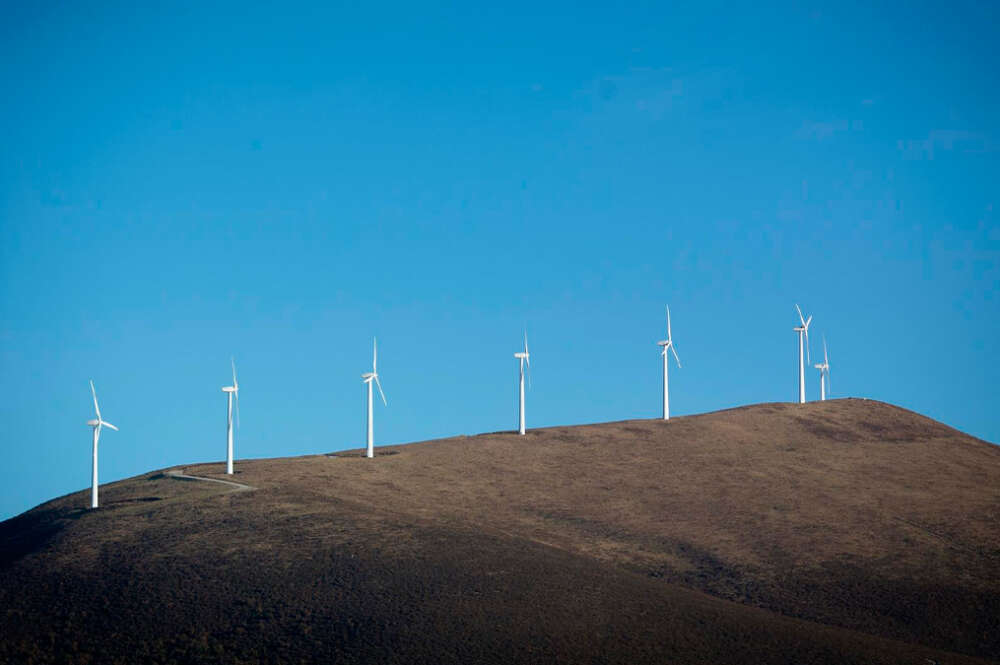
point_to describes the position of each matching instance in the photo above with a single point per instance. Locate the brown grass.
(844, 531)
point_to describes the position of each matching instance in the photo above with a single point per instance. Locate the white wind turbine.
(230, 391)
(369, 378)
(525, 358)
(97, 423)
(824, 372)
(802, 330)
(668, 343)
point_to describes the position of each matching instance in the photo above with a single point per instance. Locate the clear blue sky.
(280, 183)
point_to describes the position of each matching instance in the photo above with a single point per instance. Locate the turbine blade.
(109, 425)
(93, 392)
(380, 390)
(808, 321)
(674, 351)
(237, 396)
(374, 355)
(232, 361)
(808, 359)
(800, 315)
(527, 356)
(669, 335)
(826, 358)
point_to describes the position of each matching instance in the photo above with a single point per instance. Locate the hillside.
(843, 531)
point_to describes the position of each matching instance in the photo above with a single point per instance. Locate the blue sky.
(281, 183)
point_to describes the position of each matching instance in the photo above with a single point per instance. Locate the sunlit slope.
(845, 531)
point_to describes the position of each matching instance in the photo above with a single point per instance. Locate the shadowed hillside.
(848, 531)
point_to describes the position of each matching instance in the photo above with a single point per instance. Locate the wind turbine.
(231, 390)
(525, 358)
(97, 423)
(369, 378)
(824, 372)
(802, 330)
(668, 343)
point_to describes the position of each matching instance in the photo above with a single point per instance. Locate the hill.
(833, 532)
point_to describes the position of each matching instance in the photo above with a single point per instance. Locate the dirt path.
(239, 487)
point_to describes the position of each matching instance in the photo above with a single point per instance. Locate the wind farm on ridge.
(748, 508)
(524, 370)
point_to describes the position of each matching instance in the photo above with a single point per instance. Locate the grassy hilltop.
(846, 531)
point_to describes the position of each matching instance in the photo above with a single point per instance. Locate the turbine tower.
(824, 372)
(524, 358)
(668, 343)
(802, 330)
(369, 378)
(97, 423)
(231, 390)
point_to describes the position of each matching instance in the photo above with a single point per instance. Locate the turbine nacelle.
(525, 358)
(805, 322)
(234, 389)
(804, 328)
(668, 343)
(98, 422)
(524, 354)
(824, 367)
(368, 377)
